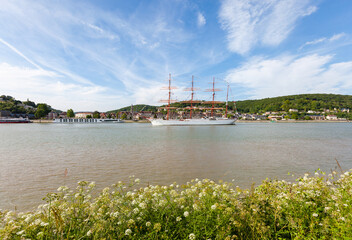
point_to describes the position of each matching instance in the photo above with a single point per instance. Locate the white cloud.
(91, 47)
(46, 86)
(324, 40)
(201, 20)
(288, 75)
(267, 22)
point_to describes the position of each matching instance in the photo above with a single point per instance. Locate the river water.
(34, 157)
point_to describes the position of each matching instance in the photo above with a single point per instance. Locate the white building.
(83, 114)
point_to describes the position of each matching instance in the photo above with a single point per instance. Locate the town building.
(83, 114)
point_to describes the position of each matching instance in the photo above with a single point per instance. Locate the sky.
(107, 54)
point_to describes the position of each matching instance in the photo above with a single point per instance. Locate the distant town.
(12, 108)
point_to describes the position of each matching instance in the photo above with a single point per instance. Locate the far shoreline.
(291, 121)
(237, 121)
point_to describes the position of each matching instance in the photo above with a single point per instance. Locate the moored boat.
(86, 120)
(14, 120)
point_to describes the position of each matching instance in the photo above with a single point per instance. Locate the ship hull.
(191, 122)
(14, 120)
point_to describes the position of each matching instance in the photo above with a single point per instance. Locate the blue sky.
(102, 55)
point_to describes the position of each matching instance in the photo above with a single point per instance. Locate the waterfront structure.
(86, 120)
(331, 117)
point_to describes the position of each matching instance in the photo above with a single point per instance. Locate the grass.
(312, 207)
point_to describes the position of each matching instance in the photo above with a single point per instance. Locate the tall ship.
(212, 120)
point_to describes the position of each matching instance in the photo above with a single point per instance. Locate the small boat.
(109, 120)
(14, 120)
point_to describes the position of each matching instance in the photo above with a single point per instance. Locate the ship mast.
(227, 99)
(213, 102)
(169, 100)
(168, 107)
(192, 89)
(190, 115)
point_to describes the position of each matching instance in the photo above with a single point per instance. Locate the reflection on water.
(33, 157)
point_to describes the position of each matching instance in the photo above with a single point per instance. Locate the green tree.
(294, 116)
(42, 110)
(124, 116)
(96, 114)
(70, 113)
(89, 116)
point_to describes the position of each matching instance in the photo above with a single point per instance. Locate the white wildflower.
(142, 205)
(91, 185)
(89, 233)
(137, 180)
(148, 224)
(315, 215)
(192, 236)
(213, 207)
(136, 210)
(178, 219)
(186, 214)
(128, 232)
(20, 232)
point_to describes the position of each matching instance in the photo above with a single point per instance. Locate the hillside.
(302, 102)
(8, 103)
(136, 108)
(24, 108)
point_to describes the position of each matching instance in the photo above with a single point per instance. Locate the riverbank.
(313, 207)
(290, 121)
(51, 121)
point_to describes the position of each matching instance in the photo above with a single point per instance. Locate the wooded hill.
(136, 108)
(8, 103)
(302, 102)
(29, 108)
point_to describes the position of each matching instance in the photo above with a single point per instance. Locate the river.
(38, 158)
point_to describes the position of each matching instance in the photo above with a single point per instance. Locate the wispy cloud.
(201, 20)
(101, 49)
(324, 40)
(260, 22)
(290, 74)
(19, 53)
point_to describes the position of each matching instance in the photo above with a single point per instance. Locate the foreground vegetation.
(317, 207)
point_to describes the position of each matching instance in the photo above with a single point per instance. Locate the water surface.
(33, 157)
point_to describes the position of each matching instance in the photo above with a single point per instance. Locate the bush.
(315, 207)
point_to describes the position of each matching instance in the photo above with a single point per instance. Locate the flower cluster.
(312, 207)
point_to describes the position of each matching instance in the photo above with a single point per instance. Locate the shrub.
(316, 207)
